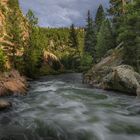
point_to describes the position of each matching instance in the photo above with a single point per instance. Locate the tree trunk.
(123, 6)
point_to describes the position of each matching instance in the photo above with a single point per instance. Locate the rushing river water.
(62, 108)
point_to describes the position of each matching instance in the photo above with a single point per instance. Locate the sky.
(61, 13)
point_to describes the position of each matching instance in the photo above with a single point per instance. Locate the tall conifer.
(129, 34)
(73, 39)
(90, 37)
(105, 39)
(100, 17)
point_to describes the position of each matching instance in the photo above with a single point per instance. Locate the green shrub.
(71, 61)
(86, 60)
(2, 60)
(13, 3)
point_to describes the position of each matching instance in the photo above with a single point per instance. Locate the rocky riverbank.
(111, 74)
(11, 83)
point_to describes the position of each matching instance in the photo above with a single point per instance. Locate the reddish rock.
(12, 83)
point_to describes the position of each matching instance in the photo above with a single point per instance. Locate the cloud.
(58, 13)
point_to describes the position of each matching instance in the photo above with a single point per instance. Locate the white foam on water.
(61, 103)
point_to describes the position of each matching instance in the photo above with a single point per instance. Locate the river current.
(62, 108)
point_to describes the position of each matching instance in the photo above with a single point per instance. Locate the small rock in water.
(4, 104)
(138, 91)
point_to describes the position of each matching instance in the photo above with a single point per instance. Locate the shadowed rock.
(4, 104)
(138, 91)
(111, 74)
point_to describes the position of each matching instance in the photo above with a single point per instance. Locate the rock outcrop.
(11, 17)
(12, 83)
(10, 9)
(111, 74)
(51, 59)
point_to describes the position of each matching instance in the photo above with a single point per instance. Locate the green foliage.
(73, 39)
(129, 34)
(57, 39)
(33, 54)
(13, 3)
(90, 37)
(15, 33)
(71, 61)
(76, 48)
(66, 44)
(116, 11)
(86, 61)
(105, 40)
(47, 70)
(126, 20)
(32, 19)
(100, 17)
(116, 8)
(2, 60)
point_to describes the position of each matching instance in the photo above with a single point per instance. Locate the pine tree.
(16, 36)
(90, 37)
(105, 39)
(117, 7)
(100, 17)
(32, 19)
(117, 10)
(129, 34)
(74, 56)
(33, 53)
(73, 39)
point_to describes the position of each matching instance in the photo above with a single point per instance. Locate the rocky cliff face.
(11, 18)
(10, 11)
(111, 74)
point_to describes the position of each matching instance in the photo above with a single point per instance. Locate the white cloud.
(57, 13)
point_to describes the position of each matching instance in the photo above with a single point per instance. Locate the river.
(62, 108)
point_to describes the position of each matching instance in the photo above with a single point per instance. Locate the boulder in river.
(4, 104)
(138, 91)
(111, 74)
(122, 78)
